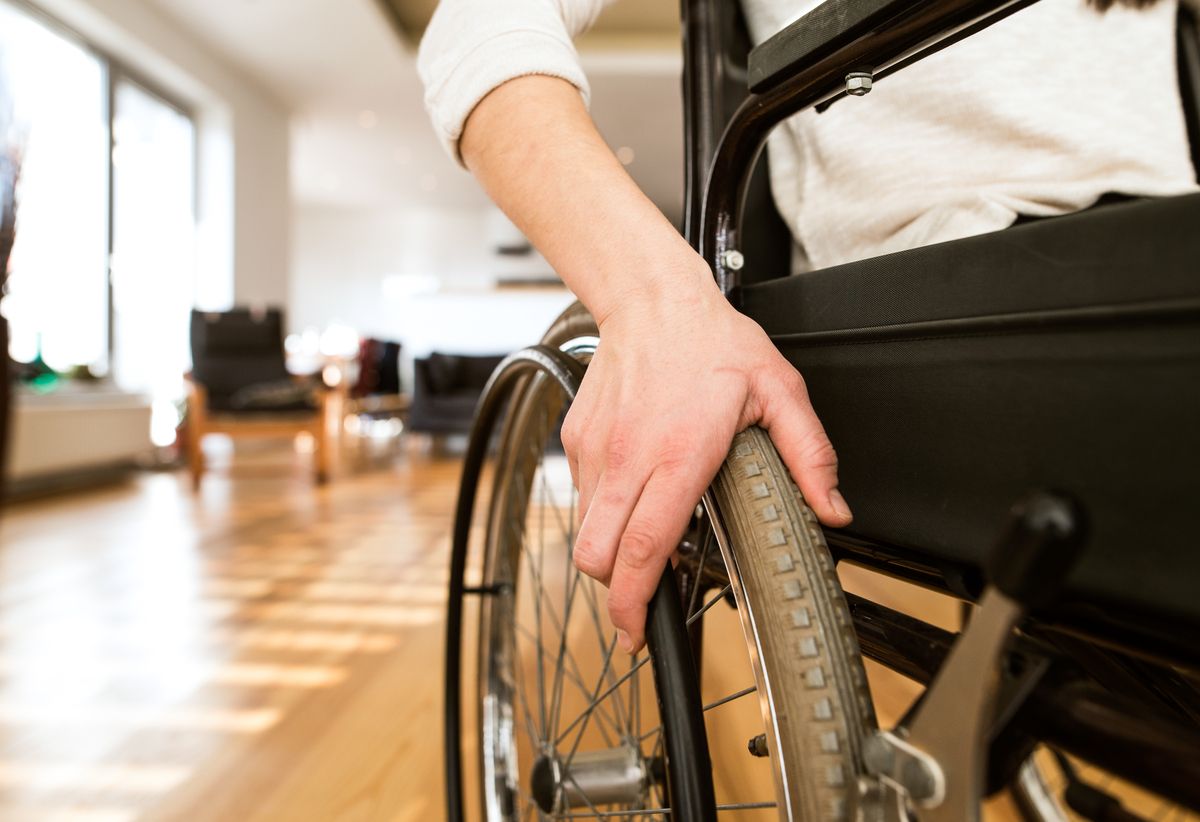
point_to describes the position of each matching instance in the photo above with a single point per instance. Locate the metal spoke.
(571, 584)
(699, 571)
(633, 670)
(567, 531)
(729, 806)
(720, 595)
(715, 704)
(537, 616)
(737, 695)
(582, 792)
(635, 699)
(576, 678)
(536, 571)
(601, 698)
(590, 595)
(556, 687)
(609, 814)
(558, 625)
(608, 655)
(536, 739)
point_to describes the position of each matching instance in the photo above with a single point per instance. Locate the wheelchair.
(983, 394)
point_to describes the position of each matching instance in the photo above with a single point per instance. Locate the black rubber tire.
(811, 682)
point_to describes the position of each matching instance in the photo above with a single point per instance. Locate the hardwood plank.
(265, 650)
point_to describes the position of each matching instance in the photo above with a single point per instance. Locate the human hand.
(673, 380)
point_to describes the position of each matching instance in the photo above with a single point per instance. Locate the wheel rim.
(560, 733)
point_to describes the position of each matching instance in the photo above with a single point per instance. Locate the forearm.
(679, 373)
(535, 150)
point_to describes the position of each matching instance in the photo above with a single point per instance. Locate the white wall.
(347, 262)
(424, 277)
(243, 145)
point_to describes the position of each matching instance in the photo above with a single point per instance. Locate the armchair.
(240, 386)
(446, 388)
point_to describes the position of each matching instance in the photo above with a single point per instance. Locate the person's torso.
(1040, 114)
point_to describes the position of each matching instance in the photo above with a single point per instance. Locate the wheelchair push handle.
(1045, 537)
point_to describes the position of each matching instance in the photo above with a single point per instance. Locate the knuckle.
(618, 451)
(614, 497)
(820, 453)
(672, 454)
(794, 382)
(570, 434)
(639, 549)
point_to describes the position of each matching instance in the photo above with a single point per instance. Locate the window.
(58, 288)
(103, 271)
(153, 257)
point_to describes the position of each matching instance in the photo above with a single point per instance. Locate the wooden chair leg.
(195, 433)
(195, 463)
(323, 446)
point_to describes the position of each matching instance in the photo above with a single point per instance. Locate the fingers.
(806, 451)
(651, 536)
(611, 506)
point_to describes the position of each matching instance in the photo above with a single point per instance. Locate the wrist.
(660, 292)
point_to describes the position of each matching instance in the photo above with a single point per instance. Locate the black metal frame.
(1110, 687)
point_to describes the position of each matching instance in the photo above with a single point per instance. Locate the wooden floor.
(265, 650)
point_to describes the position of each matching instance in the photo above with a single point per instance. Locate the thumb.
(789, 418)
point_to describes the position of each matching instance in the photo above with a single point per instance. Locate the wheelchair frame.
(1111, 692)
(1150, 733)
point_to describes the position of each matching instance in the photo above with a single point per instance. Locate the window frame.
(115, 71)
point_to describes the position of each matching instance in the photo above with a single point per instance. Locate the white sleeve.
(472, 46)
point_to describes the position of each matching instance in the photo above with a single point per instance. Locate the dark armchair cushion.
(474, 372)
(441, 372)
(277, 396)
(446, 390)
(238, 357)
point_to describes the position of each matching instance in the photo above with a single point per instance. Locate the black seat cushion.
(1063, 353)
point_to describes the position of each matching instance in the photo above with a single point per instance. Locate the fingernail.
(839, 504)
(624, 640)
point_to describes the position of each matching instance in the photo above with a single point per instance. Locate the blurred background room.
(251, 303)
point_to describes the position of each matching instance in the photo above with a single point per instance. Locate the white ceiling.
(360, 137)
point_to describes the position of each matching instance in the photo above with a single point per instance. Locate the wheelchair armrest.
(903, 31)
(825, 29)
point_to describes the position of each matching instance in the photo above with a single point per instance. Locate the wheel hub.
(616, 776)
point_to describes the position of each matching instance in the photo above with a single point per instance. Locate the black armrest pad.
(823, 30)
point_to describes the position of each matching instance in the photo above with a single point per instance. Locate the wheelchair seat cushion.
(1063, 353)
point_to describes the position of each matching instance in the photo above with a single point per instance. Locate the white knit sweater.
(1040, 114)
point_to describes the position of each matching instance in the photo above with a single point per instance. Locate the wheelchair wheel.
(568, 725)
(571, 728)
